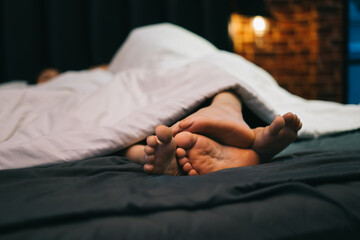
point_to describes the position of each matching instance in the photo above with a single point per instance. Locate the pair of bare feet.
(214, 138)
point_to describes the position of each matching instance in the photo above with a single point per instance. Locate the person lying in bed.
(213, 138)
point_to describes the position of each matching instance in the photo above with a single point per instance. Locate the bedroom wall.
(302, 46)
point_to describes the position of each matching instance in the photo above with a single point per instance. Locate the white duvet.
(160, 74)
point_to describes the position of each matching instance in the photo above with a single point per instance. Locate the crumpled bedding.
(160, 74)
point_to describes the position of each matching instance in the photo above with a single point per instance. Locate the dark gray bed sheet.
(310, 191)
(338, 143)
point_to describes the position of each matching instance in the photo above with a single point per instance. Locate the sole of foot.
(198, 154)
(160, 153)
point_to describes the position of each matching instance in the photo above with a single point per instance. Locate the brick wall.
(302, 46)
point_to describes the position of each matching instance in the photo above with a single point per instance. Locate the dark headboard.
(77, 34)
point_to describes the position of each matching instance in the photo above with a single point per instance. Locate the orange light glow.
(259, 25)
(247, 33)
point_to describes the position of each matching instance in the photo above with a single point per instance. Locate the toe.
(185, 140)
(295, 122)
(180, 153)
(185, 123)
(148, 168)
(187, 167)
(292, 121)
(276, 126)
(163, 133)
(289, 116)
(193, 172)
(149, 150)
(183, 161)
(289, 119)
(175, 129)
(300, 125)
(151, 141)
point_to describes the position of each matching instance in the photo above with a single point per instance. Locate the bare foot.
(136, 154)
(221, 121)
(200, 155)
(160, 153)
(277, 136)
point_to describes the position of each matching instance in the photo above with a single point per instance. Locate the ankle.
(229, 106)
(226, 98)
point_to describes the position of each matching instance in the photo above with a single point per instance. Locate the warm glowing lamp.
(259, 25)
(248, 23)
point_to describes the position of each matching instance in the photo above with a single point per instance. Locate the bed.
(63, 174)
(310, 191)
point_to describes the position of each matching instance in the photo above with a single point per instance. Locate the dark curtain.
(77, 34)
